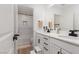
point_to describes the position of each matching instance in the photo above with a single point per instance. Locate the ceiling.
(25, 10)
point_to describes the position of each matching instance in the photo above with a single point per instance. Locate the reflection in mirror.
(66, 16)
(57, 21)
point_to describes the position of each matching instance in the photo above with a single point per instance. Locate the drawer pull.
(58, 52)
(38, 40)
(45, 43)
(46, 38)
(45, 48)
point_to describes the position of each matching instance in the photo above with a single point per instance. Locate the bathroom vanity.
(52, 43)
(58, 43)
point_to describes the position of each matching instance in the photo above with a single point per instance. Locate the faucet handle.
(73, 30)
(76, 30)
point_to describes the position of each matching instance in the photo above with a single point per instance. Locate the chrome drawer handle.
(45, 43)
(59, 52)
(45, 48)
(46, 38)
(38, 40)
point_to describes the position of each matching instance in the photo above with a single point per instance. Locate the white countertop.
(69, 39)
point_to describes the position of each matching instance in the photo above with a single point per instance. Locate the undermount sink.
(69, 37)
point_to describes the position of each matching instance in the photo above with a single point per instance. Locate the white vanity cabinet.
(53, 45)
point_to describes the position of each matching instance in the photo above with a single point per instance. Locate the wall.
(25, 29)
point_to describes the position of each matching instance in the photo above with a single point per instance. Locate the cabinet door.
(64, 51)
(54, 49)
(45, 50)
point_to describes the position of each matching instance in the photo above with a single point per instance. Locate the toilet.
(37, 50)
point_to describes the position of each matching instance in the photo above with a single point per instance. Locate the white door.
(6, 28)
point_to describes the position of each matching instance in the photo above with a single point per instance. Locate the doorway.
(24, 29)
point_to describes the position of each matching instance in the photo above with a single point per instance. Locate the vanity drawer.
(45, 43)
(45, 39)
(71, 48)
(47, 46)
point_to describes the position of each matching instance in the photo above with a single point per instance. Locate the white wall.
(25, 27)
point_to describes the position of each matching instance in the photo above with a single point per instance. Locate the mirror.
(69, 19)
(76, 21)
(57, 22)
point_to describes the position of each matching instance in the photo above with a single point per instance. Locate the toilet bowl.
(37, 50)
